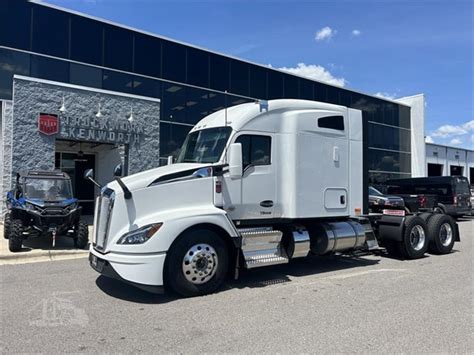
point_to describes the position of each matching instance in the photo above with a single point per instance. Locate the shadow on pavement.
(126, 292)
(312, 265)
(256, 278)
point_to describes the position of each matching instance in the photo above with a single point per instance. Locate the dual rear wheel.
(426, 232)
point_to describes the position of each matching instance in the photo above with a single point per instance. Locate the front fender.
(174, 223)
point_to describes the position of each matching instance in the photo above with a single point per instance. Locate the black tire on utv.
(81, 238)
(15, 239)
(7, 223)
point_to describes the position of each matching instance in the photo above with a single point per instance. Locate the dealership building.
(86, 92)
(443, 160)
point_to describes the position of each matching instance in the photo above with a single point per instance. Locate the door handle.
(266, 203)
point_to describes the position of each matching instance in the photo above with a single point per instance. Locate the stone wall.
(6, 153)
(26, 148)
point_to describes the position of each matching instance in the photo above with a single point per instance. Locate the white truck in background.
(253, 186)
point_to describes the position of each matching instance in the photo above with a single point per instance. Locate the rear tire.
(441, 232)
(15, 239)
(415, 239)
(425, 216)
(196, 263)
(7, 222)
(82, 236)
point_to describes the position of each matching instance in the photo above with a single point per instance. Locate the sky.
(390, 48)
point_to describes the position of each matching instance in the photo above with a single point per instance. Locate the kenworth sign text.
(101, 130)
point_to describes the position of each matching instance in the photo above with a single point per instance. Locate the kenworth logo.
(48, 124)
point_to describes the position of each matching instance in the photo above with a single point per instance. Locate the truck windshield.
(47, 189)
(205, 146)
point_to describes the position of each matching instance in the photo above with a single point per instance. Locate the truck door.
(257, 199)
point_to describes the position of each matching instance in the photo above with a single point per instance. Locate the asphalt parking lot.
(368, 303)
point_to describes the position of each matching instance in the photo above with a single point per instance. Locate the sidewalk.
(40, 249)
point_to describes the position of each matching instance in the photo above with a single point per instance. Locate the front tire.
(441, 231)
(15, 239)
(82, 236)
(7, 222)
(196, 263)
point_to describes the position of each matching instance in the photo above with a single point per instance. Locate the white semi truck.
(254, 185)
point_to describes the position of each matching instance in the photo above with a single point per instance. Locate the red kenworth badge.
(48, 124)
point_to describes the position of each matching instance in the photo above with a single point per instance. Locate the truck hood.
(143, 179)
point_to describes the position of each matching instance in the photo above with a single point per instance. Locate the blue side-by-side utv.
(41, 204)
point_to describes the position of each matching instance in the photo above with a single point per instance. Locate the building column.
(417, 126)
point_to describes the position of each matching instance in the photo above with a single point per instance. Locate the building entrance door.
(75, 164)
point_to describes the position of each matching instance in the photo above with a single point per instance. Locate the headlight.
(72, 206)
(141, 235)
(30, 206)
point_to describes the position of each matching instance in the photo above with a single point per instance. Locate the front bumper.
(144, 271)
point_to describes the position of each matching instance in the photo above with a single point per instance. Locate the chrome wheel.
(417, 237)
(445, 234)
(200, 263)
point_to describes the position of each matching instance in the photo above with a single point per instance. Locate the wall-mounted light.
(63, 106)
(99, 113)
(130, 116)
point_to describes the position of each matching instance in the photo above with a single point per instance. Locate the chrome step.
(257, 260)
(262, 246)
(371, 242)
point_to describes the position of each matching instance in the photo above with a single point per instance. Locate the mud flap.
(391, 228)
(457, 238)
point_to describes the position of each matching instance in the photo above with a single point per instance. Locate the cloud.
(448, 130)
(457, 135)
(315, 72)
(428, 139)
(385, 95)
(324, 34)
(356, 33)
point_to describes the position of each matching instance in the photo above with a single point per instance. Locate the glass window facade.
(118, 48)
(85, 75)
(86, 40)
(197, 68)
(190, 82)
(15, 24)
(50, 30)
(11, 63)
(49, 69)
(147, 55)
(174, 61)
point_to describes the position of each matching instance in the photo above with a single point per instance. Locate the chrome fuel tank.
(330, 237)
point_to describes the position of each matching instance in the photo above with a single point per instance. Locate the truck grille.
(102, 214)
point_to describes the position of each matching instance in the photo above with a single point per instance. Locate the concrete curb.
(46, 253)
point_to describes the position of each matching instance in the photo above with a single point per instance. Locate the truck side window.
(332, 122)
(256, 150)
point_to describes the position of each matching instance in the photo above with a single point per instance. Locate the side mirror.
(170, 160)
(234, 157)
(118, 170)
(89, 174)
